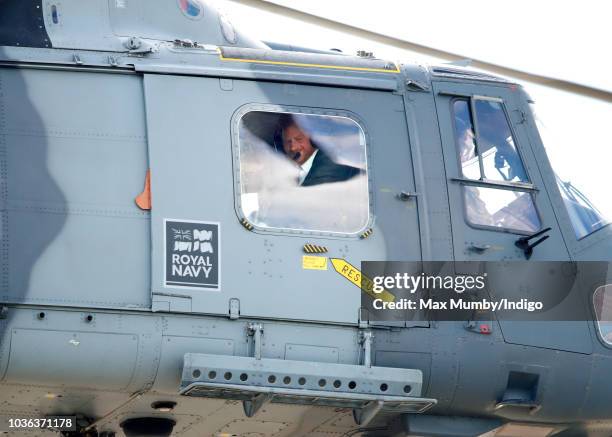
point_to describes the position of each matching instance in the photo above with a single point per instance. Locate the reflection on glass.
(494, 146)
(586, 218)
(602, 301)
(303, 172)
(501, 208)
(500, 159)
(464, 138)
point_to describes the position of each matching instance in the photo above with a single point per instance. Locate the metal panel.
(21, 24)
(430, 177)
(333, 379)
(80, 25)
(573, 336)
(340, 62)
(478, 243)
(253, 427)
(304, 352)
(412, 360)
(191, 161)
(76, 268)
(173, 351)
(71, 329)
(75, 160)
(168, 21)
(73, 358)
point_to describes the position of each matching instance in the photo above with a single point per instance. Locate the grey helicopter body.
(219, 304)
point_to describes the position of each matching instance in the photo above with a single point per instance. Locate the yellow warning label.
(354, 275)
(314, 262)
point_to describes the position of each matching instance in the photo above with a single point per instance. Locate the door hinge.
(365, 341)
(234, 308)
(256, 331)
(414, 85)
(363, 319)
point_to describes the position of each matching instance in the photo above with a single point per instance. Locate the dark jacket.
(324, 170)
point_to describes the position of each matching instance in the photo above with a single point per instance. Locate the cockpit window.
(602, 302)
(487, 152)
(501, 161)
(304, 172)
(586, 218)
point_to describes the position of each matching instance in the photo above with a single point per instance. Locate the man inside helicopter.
(315, 166)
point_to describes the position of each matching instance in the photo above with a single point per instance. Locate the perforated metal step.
(367, 390)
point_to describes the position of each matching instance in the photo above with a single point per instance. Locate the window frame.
(482, 182)
(300, 110)
(596, 320)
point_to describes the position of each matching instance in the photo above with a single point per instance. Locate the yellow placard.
(354, 275)
(314, 262)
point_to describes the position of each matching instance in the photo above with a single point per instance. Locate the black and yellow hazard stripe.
(366, 234)
(248, 226)
(313, 248)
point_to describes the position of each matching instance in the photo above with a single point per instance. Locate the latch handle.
(527, 248)
(480, 248)
(405, 196)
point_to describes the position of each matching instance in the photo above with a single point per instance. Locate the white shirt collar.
(305, 168)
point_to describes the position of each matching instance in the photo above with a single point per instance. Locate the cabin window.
(302, 172)
(487, 153)
(602, 302)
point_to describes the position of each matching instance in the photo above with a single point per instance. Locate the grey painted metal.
(77, 134)
(256, 396)
(294, 48)
(466, 74)
(396, 226)
(308, 59)
(204, 60)
(70, 188)
(331, 378)
(435, 426)
(513, 186)
(108, 24)
(448, 344)
(83, 350)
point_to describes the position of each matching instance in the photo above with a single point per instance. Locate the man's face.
(297, 145)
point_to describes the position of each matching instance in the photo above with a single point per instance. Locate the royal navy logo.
(192, 254)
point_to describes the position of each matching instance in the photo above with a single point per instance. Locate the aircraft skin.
(95, 96)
